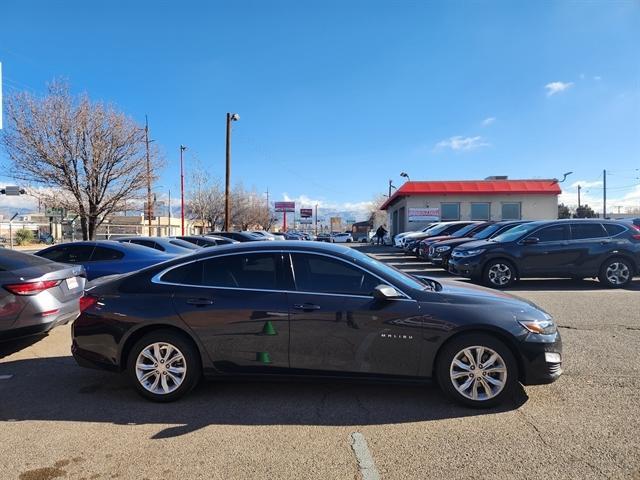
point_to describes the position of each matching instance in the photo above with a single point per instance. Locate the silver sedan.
(37, 294)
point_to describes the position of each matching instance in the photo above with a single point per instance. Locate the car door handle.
(199, 302)
(306, 306)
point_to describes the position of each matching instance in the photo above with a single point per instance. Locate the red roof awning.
(476, 187)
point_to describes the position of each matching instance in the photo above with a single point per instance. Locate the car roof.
(289, 245)
(120, 246)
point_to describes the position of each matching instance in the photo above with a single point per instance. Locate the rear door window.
(585, 231)
(148, 243)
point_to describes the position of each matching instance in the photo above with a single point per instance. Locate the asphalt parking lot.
(61, 421)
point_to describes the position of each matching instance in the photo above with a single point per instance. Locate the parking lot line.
(363, 456)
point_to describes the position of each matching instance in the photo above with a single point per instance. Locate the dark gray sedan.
(37, 294)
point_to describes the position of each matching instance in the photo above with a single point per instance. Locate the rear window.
(10, 260)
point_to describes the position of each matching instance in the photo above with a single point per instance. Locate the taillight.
(87, 301)
(31, 288)
(637, 234)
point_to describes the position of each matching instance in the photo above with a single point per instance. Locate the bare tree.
(249, 209)
(89, 155)
(205, 198)
(377, 217)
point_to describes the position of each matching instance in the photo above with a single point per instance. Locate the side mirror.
(385, 292)
(530, 241)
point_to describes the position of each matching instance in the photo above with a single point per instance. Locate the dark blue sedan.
(104, 257)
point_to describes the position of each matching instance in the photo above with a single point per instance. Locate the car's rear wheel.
(499, 274)
(616, 273)
(477, 370)
(163, 365)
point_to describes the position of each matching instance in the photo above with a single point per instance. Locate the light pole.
(231, 117)
(182, 149)
(405, 175)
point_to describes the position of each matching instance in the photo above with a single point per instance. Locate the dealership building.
(415, 204)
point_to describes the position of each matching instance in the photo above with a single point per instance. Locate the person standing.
(380, 233)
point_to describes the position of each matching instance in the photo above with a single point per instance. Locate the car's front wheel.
(616, 273)
(163, 365)
(499, 274)
(477, 370)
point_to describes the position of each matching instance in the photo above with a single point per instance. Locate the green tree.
(24, 236)
(585, 211)
(563, 211)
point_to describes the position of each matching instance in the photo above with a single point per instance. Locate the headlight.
(543, 327)
(468, 253)
(443, 249)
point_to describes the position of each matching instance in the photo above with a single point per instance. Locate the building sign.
(285, 206)
(306, 212)
(305, 221)
(424, 214)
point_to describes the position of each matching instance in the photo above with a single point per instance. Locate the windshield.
(465, 230)
(435, 230)
(487, 232)
(514, 233)
(402, 279)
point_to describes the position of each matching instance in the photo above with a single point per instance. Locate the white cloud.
(488, 121)
(357, 210)
(557, 87)
(593, 197)
(585, 184)
(459, 142)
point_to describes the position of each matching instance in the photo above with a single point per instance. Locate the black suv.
(576, 249)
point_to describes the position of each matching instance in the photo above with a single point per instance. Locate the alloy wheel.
(499, 274)
(478, 373)
(617, 273)
(161, 368)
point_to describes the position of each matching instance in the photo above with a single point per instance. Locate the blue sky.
(337, 97)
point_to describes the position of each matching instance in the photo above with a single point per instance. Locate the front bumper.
(539, 368)
(469, 267)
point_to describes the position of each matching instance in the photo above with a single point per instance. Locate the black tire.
(189, 352)
(622, 264)
(490, 279)
(450, 350)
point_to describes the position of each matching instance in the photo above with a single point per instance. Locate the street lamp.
(182, 149)
(405, 175)
(231, 117)
(564, 176)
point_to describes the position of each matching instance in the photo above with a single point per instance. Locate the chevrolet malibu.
(291, 309)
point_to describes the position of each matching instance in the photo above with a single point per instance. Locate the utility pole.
(579, 188)
(316, 220)
(231, 117)
(604, 194)
(169, 215)
(182, 149)
(390, 181)
(146, 140)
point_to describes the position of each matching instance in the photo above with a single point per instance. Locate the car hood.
(454, 242)
(477, 244)
(436, 239)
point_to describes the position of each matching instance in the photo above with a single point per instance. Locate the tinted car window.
(316, 273)
(102, 254)
(254, 270)
(613, 229)
(554, 233)
(148, 243)
(69, 253)
(587, 230)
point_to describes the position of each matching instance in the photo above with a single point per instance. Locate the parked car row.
(274, 309)
(498, 254)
